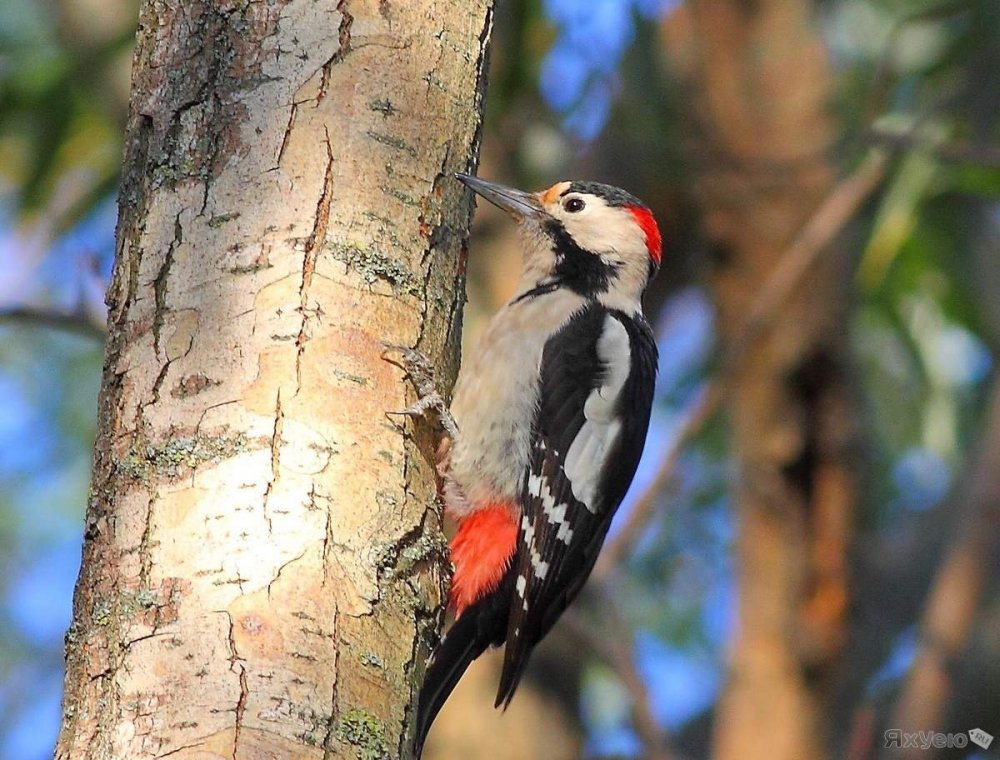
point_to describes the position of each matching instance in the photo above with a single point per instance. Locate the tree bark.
(760, 83)
(261, 573)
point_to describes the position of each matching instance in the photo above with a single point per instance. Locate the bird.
(547, 423)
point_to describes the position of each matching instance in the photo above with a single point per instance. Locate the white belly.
(495, 400)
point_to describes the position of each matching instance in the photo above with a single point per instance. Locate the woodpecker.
(550, 412)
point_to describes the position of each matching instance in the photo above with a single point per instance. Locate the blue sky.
(48, 395)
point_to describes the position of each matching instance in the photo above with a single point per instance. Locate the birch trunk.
(262, 567)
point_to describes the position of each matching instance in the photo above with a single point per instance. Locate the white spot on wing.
(534, 485)
(540, 567)
(528, 530)
(554, 513)
(565, 533)
(521, 585)
(588, 452)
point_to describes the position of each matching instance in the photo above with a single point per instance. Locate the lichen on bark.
(262, 560)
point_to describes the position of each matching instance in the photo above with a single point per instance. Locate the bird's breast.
(496, 399)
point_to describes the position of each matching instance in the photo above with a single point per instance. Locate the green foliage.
(62, 103)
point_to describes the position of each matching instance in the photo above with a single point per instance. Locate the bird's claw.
(421, 373)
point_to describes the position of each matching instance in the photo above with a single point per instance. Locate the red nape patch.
(481, 552)
(645, 219)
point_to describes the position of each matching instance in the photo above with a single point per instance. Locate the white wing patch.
(588, 452)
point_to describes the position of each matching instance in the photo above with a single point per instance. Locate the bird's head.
(594, 239)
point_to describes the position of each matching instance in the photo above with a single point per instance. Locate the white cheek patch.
(588, 453)
(610, 231)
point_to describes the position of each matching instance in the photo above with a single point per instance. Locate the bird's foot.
(421, 373)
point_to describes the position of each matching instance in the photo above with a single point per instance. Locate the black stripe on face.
(579, 270)
(539, 290)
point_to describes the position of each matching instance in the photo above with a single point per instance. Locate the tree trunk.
(760, 85)
(261, 573)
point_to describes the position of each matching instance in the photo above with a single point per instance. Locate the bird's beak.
(517, 203)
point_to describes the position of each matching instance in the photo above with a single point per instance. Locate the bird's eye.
(573, 205)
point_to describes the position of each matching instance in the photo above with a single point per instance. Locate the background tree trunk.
(538, 725)
(260, 574)
(760, 83)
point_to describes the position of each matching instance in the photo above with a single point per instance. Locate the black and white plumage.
(597, 379)
(552, 409)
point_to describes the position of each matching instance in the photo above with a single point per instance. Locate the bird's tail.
(451, 659)
(481, 625)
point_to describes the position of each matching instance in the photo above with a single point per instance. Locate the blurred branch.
(861, 739)
(880, 82)
(825, 224)
(79, 322)
(613, 644)
(958, 152)
(958, 588)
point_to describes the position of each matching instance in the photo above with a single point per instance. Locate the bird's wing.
(597, 378)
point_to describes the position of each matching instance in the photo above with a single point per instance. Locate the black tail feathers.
(480, 626)
(513, 668)
(451, 659)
